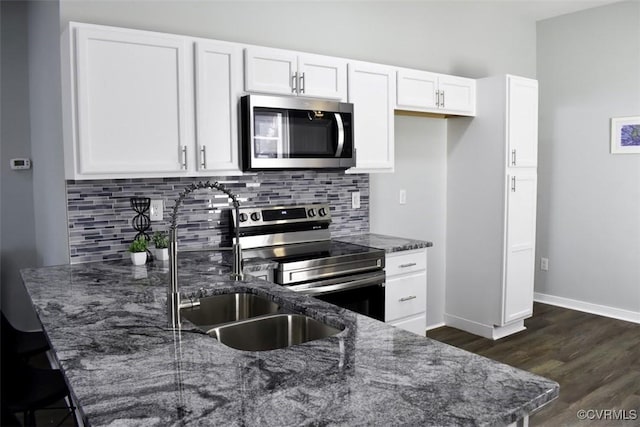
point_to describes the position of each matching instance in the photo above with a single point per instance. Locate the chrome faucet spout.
(173, 290)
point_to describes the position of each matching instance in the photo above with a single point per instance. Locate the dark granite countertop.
(106, 322)
(388, 243)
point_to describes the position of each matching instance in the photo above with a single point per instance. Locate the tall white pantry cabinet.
(491, 209)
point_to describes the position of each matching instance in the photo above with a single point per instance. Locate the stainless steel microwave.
(281, 133)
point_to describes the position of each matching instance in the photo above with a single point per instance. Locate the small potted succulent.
(138, 249)
(161, 242)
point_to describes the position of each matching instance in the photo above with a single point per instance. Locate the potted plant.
(161, 242)
(138, 249)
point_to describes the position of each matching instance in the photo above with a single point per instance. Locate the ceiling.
(543, 9)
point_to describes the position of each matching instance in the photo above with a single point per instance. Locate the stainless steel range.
(298, 239)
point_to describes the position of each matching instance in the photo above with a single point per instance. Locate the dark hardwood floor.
(595, 359)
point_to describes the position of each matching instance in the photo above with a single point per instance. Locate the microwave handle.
(340, 134)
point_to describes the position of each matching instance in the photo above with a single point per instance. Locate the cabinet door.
(218, 70)
(270, 71)
(522, 121)
(322, 77)
(457, 95)
(405, 295)
(520, 246)
(417, 90)
(131, 102)
(372, 92)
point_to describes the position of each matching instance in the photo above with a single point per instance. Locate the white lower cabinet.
(406, 290)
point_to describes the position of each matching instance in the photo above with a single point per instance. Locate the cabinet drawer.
(405, 296)
(417, 325)
(406, 262)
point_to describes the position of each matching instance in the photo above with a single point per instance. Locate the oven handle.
(377, 279)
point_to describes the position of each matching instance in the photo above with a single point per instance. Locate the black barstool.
(26, 389)
(24, 344)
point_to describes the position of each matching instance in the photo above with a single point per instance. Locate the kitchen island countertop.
(107, 325)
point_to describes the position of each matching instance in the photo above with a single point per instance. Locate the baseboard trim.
(587, 307)
(436, 326)
(486, 331)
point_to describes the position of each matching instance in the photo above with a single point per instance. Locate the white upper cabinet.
(522, 121)
(372, 93)
(285, 72)
(436, 93)
(131, 103)
(218, 80)
(132, 99)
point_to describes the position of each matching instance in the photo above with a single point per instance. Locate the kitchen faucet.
(173, 293)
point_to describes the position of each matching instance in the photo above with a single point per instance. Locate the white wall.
(589, 199)
(469, 39)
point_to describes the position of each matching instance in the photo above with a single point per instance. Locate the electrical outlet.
(156, 210)
(544, 264)
(403, 197)
(355, 200)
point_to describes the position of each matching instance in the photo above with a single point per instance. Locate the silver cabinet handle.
(411, 264)
(513, 184)
(410, 297)
(302, 83)
(437, 98)
(513, 157)
(203, 157)
(442, 92)
(184, 157)
(294, 82)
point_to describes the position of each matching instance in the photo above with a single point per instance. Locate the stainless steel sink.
(272, 332)
(219, 309)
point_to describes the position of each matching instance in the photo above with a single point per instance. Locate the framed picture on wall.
(625, 135)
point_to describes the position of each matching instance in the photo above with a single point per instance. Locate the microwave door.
(270, 134)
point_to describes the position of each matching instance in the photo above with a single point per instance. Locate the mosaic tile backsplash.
(100, 214)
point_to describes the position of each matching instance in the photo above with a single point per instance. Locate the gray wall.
(18, 237)
(421, 170)
(463, 38)
(33, 202)
(589, 199)
(46, 134)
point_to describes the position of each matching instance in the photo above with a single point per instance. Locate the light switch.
(403, 197)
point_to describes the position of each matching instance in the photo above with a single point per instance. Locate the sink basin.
(272, 332)
(219, 309)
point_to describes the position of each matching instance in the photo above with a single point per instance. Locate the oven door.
(362, 293)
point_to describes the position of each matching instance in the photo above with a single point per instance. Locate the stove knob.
(255, 216)
(242, 217)
(312, 213)
(322, 212)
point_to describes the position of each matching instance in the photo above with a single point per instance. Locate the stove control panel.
(278, 215)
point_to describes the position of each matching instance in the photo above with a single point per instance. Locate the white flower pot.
(138, 258)
(162, 254)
